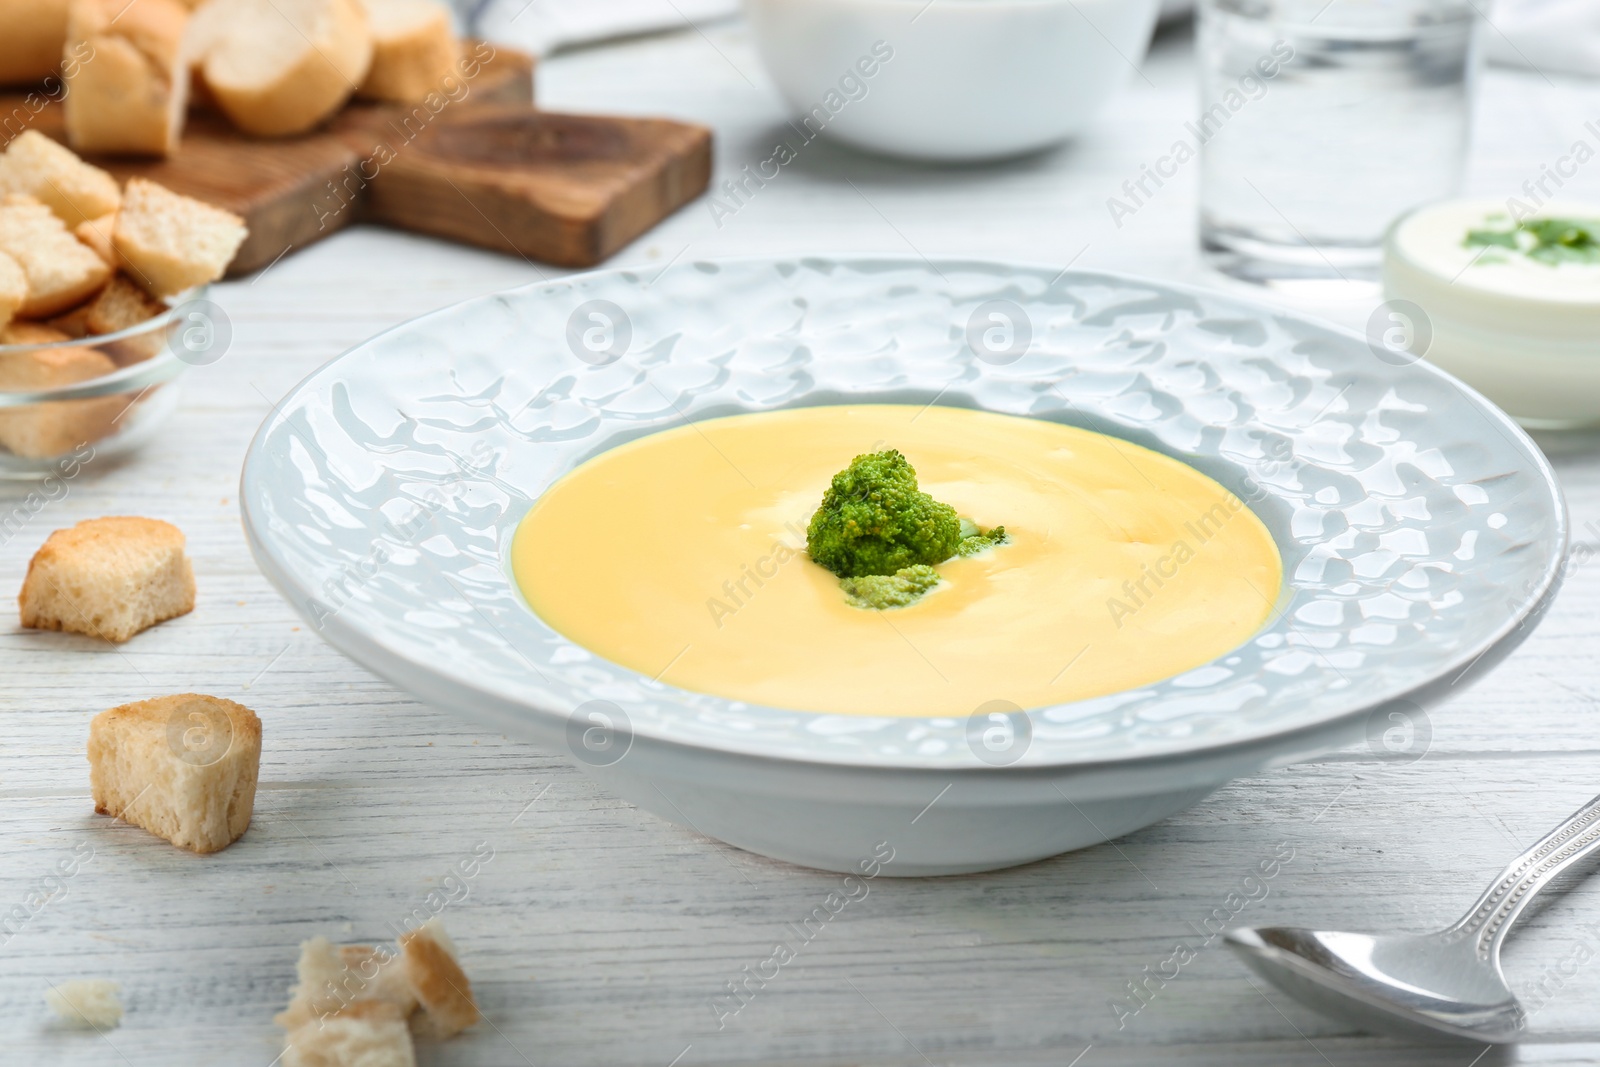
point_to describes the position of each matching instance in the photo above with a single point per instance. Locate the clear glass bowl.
(56, 428)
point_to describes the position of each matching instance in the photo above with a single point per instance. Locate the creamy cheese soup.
(682, 556)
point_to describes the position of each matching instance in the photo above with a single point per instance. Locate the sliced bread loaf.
(279, 67)
(32, 33)
(414, 49)
(131, 98)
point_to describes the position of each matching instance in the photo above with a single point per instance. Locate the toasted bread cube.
(414, 49)
(96, 234)
(53, 427)
(109, 578)
(61, 271)
(13, 288)
(334, 978)
(441, 986)
(36, 166)
(86, 1003)
(71, 323)
(133, 96)
(371, 1033)
(183, 767)
(170, 243)
(120, 306)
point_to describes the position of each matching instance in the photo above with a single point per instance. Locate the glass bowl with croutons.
(67, 397)
(102, 305)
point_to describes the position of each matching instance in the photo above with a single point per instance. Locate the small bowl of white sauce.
(1506, 300)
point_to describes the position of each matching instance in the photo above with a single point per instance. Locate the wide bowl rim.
(375, 654)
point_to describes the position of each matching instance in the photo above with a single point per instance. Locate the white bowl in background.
(949, 80)
(1523, 333)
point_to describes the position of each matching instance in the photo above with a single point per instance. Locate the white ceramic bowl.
(949, 80)
(1421, 533)
(1526, 334)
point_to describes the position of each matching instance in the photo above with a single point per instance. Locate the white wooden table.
(599, 934)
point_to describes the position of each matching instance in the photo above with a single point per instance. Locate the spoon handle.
(1492, 917)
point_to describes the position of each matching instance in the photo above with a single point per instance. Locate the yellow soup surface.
(682, 556)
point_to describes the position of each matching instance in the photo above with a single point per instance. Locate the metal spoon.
(1446, 983)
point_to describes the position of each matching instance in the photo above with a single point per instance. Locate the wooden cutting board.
(484, 167)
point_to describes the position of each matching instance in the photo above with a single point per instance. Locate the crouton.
(333, 978)
(441, 986)
(372, 1033)
(96, 234)
(53, 427)
(86, 1003)
(70, 323)
(133, 96)
(61, 271)
(414, 49)
(183, 767)
(122, 305)
(109, 578)
(169, 243)
(13, 288)
(36, 166)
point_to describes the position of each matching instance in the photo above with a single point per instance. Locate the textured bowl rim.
(1471, 661)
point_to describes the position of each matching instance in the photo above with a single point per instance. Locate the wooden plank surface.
(599, 934)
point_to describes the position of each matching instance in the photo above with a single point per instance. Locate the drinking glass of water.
(1323, 121)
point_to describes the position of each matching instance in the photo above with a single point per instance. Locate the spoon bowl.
(1447, 984)
(1428, 986)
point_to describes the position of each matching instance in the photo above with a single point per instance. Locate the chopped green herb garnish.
(1548, 241)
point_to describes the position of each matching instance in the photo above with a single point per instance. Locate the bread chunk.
(71, 323)
(109, 578)
(372, 1033)
(122, 305)
(53, 427)
(332, 978)
(32, 35)
(441, 986)
(280, 67)
(86, 1003)
(96, 235)
(343, 989)
(132, 97)
(169, 243)
(13, 288)
(61, 271)
(183, 767)
(414, 49)
(36, 166)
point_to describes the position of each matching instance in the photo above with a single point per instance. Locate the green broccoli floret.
(978, 541)
(874, 520)
(882, 535)
(880, 591)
